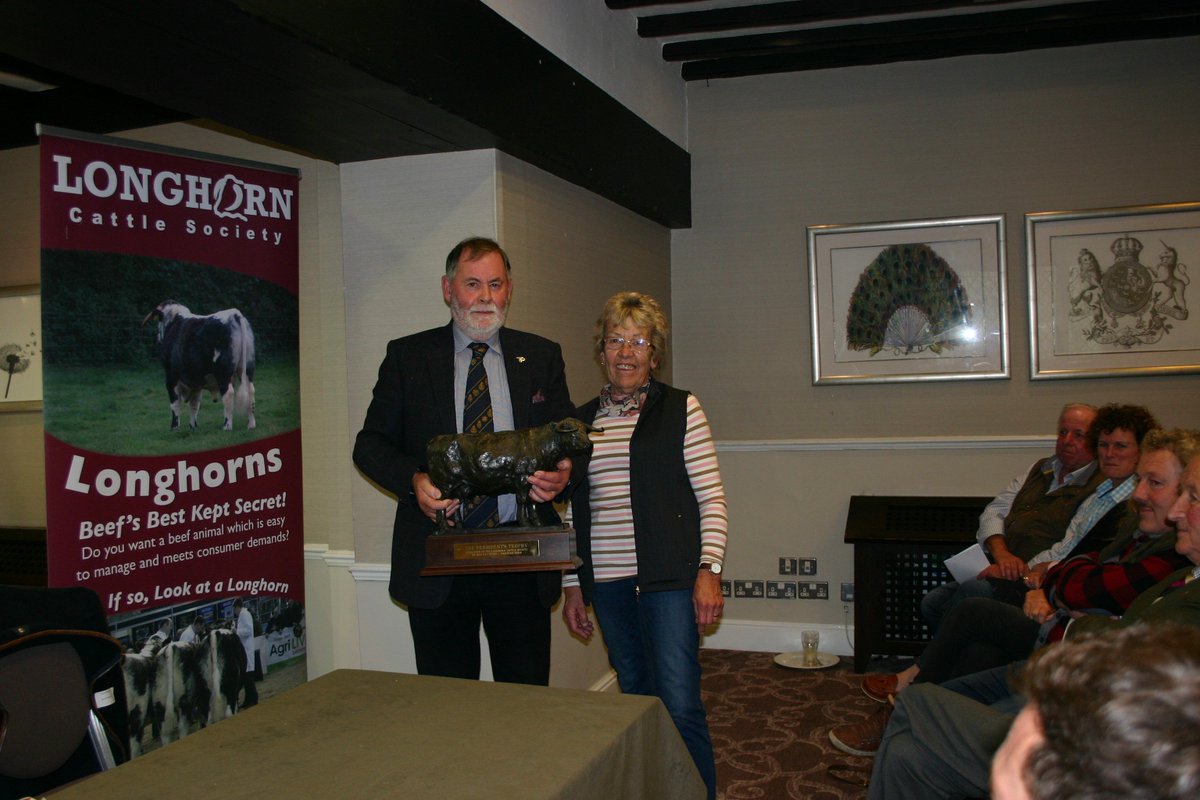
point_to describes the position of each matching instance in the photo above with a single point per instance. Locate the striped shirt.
(1106, 497)
(614, 554)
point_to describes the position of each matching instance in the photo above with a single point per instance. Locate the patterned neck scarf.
(615, 405)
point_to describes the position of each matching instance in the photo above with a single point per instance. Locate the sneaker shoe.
(880, 687)
(862, 738)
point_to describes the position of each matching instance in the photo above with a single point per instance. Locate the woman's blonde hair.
(644, 312)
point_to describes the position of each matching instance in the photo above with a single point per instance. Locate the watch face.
(716, 568)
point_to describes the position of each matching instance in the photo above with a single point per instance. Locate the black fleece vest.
(666, 514)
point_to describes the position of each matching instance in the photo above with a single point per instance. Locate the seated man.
(1084, 733)
(1116, 434)
(1031, 513)
(982, 633)
(939, 743)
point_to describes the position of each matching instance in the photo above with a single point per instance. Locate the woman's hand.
(707, 599)
(575, 613)
(1037, 607)
(545, 485)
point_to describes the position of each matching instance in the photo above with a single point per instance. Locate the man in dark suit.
(421, 393)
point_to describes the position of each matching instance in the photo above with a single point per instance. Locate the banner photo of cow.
(170, 343)
(186, 667)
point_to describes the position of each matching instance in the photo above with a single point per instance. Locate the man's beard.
(478, 332)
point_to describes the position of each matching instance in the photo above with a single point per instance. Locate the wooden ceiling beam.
(832, 55)
(800, 12)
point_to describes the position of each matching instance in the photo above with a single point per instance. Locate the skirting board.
(778, 637)
(352, 623)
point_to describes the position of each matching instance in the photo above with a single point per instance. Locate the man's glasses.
(617, 342)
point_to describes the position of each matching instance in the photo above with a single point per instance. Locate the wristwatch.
(715, 569)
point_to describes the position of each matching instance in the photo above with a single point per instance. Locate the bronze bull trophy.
(465, 466)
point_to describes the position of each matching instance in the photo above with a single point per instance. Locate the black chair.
(61, 690)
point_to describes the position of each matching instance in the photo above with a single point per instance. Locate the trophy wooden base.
(501, 550)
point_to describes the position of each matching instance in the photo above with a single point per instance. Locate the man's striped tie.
(481, 511)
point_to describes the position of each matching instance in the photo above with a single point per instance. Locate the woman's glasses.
(617, 342)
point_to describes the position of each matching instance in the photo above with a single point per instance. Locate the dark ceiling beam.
(934, 37)
(620, 5)
(801, 12)
(358, 80)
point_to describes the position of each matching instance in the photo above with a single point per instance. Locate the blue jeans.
(654, 647)
(992, 687)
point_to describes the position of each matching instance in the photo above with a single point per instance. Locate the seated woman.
(939, 743)
(1115, 436)
(981, 633)
(1093, 525)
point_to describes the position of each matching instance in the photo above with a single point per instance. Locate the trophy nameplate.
(501, 550)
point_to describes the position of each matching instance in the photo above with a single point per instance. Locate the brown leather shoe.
(880, 687)
(862, 738)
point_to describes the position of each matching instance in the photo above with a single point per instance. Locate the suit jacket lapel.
(441, 378)
(520, 389)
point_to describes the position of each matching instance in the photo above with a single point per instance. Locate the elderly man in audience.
(1031, 513)
(980, 634)
(1116, 435)
(940, 742)
(1109, 717)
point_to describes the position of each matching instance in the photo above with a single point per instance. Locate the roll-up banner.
(171, 395)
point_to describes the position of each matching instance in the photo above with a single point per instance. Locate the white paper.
(966, 565)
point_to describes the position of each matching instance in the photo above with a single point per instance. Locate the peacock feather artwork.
(908, 300)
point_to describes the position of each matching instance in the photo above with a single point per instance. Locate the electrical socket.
(847, 592)
(726, 589)
(808, 566)
(814, 590)
(749, 589)
(781, 590)
(787, 565)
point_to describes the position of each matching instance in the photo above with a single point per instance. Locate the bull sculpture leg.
(527, 514)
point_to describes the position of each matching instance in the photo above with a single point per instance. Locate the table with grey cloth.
(358, 733)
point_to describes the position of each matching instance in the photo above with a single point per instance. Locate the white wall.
(1073, 128)
(603, 46)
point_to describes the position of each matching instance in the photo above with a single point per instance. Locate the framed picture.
(908, 301)
(1108, 291)
(20, 349)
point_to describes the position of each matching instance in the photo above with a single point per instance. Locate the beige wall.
(1057, 129)
(22, 487)
(570, 250)
(1073, 128)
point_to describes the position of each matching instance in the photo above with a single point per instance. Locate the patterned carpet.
(770, 726)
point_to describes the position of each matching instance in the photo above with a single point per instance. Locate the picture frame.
(919, 300)
(20, 348)
(1096, 308)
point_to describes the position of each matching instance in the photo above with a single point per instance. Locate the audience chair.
(58, 691)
